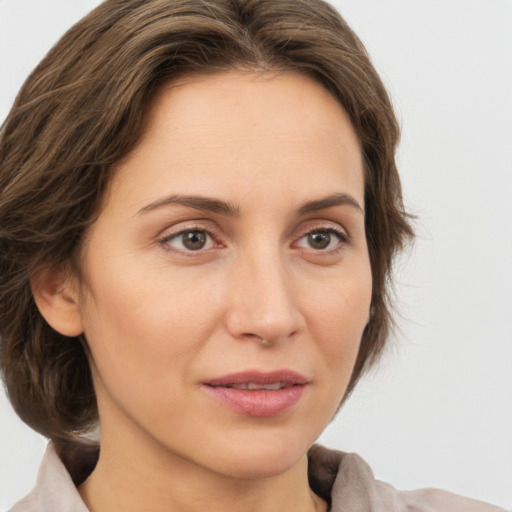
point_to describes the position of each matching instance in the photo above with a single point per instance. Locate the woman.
(214, 210)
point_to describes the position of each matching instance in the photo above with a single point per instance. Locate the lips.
(258, 394)
(253, 386)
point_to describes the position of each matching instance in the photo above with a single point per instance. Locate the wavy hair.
(83, 109)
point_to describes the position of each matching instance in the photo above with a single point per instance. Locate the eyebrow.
(207, 204)
(329, 202)
(210, 204)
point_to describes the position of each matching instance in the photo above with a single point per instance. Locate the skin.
(260, 294)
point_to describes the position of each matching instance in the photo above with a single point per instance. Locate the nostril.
(257, 337)
(268, 340)
(267, 315)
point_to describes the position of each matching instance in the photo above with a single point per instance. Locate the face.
(227, 278)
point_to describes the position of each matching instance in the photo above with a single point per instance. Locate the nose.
(262, 300)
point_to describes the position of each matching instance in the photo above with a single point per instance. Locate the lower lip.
(260, 403)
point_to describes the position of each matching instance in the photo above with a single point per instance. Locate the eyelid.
(175, 231)
(322, 226)
(211, 230)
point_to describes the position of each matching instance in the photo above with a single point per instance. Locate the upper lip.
(288, 377)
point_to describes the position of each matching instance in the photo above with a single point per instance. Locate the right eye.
(323, 239)
(190, 240)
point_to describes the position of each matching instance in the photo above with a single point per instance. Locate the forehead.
(243, 126)
(280, 104)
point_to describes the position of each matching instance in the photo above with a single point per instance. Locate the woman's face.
(227, 277)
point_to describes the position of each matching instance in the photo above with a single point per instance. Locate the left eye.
(321, 239)
(190, 240)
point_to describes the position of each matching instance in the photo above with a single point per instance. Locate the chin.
(260, 458)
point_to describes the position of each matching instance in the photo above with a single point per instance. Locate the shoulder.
(347, 482)
(443, 501)
(55, 489)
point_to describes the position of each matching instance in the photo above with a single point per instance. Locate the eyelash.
(165, 241)
(341, 236)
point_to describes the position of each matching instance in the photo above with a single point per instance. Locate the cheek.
(138, 329)
(337, 318)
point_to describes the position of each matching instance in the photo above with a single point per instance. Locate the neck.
(153, 479)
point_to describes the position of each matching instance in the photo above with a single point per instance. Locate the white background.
(439, 410)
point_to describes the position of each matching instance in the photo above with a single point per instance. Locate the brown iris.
(319, 239)
(194, 240)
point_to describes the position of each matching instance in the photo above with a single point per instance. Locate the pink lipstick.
(256, 393)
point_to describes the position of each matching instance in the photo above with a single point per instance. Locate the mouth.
(254, 386)
(258, 394)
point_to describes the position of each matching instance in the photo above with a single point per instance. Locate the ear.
(56, 294)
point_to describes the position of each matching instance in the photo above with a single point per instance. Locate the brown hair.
(83, 108)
